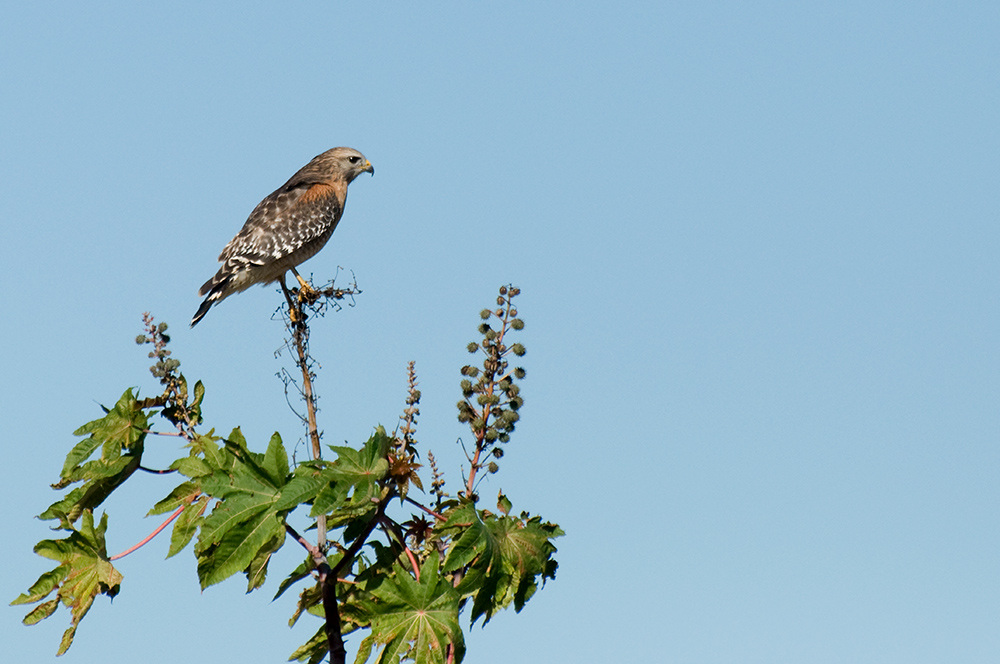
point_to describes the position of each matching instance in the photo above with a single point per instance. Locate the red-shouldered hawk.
(286, 228)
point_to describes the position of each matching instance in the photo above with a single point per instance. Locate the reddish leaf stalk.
(427, 510)
(153, 534)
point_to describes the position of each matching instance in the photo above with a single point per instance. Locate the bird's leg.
(307, 293)
(293, 306)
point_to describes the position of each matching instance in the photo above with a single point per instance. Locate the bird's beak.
(368, 167)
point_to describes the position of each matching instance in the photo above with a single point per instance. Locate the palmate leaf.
(245, 527)
(417, 619)
(362, 466)
(94, 492)
(120, 436)
(503, 556)
(83, 573)
(351, 482)
(122, 427)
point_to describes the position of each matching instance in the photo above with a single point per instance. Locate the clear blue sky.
(757, 244)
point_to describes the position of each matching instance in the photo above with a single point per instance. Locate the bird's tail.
(215, 287)
(202, 310)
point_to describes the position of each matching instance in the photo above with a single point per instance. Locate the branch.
(300, 339)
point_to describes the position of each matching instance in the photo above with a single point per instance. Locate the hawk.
(286, 228)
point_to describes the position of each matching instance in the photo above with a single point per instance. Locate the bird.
(288, 227)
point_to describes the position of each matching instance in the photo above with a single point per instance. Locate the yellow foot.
(307, 293)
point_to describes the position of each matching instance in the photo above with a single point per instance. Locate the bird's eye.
(354, 159)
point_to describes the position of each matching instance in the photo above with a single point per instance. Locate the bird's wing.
(289, 218)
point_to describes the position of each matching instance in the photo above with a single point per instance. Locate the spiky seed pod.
(503, 438)
(491, 435)
(518, 349)
(484, 314)
(483, 327)
(497, 452)
(520, 373)
(472, 347)
(517, 324)
(492, 467)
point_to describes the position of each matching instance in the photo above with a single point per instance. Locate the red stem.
(153, 534)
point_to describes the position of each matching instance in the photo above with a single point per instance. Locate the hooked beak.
(368, 167)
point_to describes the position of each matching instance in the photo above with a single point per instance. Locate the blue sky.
(756, 243)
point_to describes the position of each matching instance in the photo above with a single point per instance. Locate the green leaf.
(503, 504)
(275, 462)
(312, 651)
(256, 572)
(83, 573)
(192, 467)
(330, 497)
(365, 649)
(237, 548)
(123, 426)
(80, 453)
(245, 526)
(187, 525)
(302, 488)
(181, 495)
(503, 557)
(472, 539)
(418, 619)
(41, 612)
(301, 572)
(357, 466)
(90, 495)
(119, 435)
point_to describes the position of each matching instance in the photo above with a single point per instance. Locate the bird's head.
(347, 162)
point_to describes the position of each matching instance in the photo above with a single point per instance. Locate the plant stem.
(300, 337)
